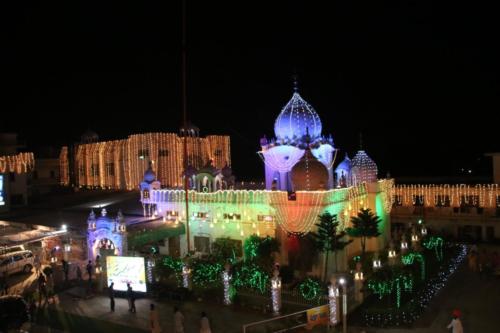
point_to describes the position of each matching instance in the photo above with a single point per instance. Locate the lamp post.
(343, 283)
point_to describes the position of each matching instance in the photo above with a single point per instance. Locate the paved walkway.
(222, 319)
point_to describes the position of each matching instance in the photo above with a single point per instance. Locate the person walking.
(131, 298)
(42, 289)
(78, 273)
(111, 293)
(178, 321)
(456, 324)
(154, 319)
(204, 323)
(38, 264)
(65, 267)
(89, 270)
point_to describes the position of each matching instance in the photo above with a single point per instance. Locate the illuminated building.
(15, 169)
(120, 164)
(299, 187)
(468, 212)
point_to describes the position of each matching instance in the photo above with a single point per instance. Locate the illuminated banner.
(317, 316)
(123, 270)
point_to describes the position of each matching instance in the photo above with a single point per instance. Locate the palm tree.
(328, 239)
(365, 225)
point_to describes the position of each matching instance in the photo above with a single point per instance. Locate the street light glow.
(342, 281)
(64, 227)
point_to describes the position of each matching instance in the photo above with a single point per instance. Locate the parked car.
(21, 261)
(14, 313)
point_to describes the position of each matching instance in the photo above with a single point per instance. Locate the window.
(232, 216)
(442, 200)
(143, 153)
(418, 200)
(163, 152)
(18, 257)
(28, 255)
(5, 262)
(110, 169)
(266, 218)
(94, 170)
(202, 244)
(201, 215)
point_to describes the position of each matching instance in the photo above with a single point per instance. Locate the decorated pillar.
(226, 282)
(186, 276)
(276, 292)
(333, 301)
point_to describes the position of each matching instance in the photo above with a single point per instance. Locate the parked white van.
(20, 261)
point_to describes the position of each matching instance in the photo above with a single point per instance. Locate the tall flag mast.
(184, 111)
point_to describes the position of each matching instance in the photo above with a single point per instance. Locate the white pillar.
(226, 281)
(276, 292)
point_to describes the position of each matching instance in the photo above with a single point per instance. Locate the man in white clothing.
(178, 321)
(456, 324)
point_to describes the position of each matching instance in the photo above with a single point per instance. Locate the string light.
(105, 164)
(20, 163)
(446, 195)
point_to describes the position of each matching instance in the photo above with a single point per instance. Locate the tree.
(260, 250)
(365, 225)
(328, 239)
(226, 249)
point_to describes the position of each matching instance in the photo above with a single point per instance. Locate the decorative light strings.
(480, 195)
(121, 164)
(20, 163)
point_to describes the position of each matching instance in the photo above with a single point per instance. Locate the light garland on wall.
(105, 164)
(64, 166)
(20, 163)
(442, 195)
(294, 216)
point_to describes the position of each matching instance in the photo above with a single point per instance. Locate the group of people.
(154, 316)
(484, 262)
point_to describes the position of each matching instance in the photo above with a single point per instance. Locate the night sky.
(419, 79)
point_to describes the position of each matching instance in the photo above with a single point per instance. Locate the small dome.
(190, 130)
(345, 165)
(363, 168)
(149, 175)
(295, 118)
(309, 174)
(89, 137)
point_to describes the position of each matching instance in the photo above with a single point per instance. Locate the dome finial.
(295, 82)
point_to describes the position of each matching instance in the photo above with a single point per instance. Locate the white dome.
(296, 118)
